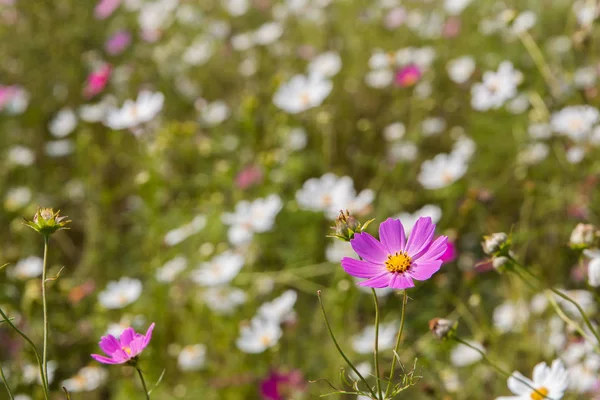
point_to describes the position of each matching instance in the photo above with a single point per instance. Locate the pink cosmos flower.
(97, 80)
(450, 253)
(392, 261)
(117, 43)
(125, 349)
(249, 176)
(105, 8)
(408, 76)
(277, 385)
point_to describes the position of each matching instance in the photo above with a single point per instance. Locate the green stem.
(6, 384)
(398, 340)
(143, 382)
(45, 310)
(541, 64)
(376, 344)
(35, 352)
(339, 349)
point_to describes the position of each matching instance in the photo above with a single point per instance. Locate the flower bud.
(346, 226)
(46, 221)
(499, 263)
(443, 329)
(583, 236)
(495, 243)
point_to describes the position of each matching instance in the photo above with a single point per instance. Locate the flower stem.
(143, 382)
(35, 352)
(339, 349)
(398, 340)
(541, 64)
(6, 384)
(45, 309)
(376, 344)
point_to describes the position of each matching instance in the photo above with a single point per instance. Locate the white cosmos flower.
(268, 33)
(133, 113)
(380, 78)
(338, 249)
(31, 372)
(237, 8)
(21, 155)
(551, 382)
(302, 92)
(583, 297)
(199, 52)
(59, 148)
(455, 7)
(17, 197)
(87, 379)
(575, 122)
(363, 342)
(460, 69)
(442, 171)
(585, 77)
(409, 219)
(524, 22)
(26, 268)
(533, 153)
(593, 267)
(539, 131)
(121, 293)
(192, 357)
(280, 309)
(220, 270)
(575, 154)
(214, 113)
(510, 316)
(258, 336)
(171, 269)
(326, 64)
(22, 397)
(251, 217)
(403, 152)
(496, 87)
(178, 235)
(63, 123)
(224, 300)
(462, 355)
(331, 194)
(394, 131)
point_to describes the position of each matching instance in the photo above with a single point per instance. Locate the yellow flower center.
(305, 99)
(265, 340)
(398, 262)
(127, 350)
(540, 394)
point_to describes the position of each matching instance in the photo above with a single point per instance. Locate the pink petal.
(379, 281)
(369, 248)
(420, 237)
(148, 335)
(104, 360)
(435, 251)
(401, 281)
(361, 269)
(392, 236)
(109, 344)
(126, 337)
(424, 270)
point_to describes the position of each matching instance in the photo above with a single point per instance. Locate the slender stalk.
(376, 344)
(541, 64)
(143, 382)
(45, 309)
(398, 340)
(500, 370)
(6, 384)
(35, 352)
(339, 349)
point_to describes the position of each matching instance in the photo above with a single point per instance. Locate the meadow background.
(145, 190)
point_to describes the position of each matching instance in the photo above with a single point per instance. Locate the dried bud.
(346, 226)
(583, 236)
(495, 243)
(443, 329)
(46, 221)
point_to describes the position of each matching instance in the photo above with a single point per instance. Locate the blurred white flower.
(302, 93)
(519, 104)
(433, 126)
(586, 12)
(21, 155)
(26, 268)
(338, 249)
(539, 131)
(242, 41)
(326, 64)
(464, 147)
(22, 397)
(510, 316)
(224, 300)
(442, 171)
(258, 336)
(403, 152)
(268, 33)
(237, 8)
(31, 372)
(121, 293)
(59, 148)
(96, 112)
(220, 270)
(363, 342)
(178, 235)
(17, 197)
(280, 309)
(462, 355)
(575, 154)
(365, 370)
(496, 87)
(87, 379)
(215, 113)
(394, 131)
(331, 194)
(199, 52)
(134, 113)
(460, 69)
(171, 269)
(378, 79)
(575, 122)
(524, 21)
(583, 297)
(251, 217)
(192, 357)
(593, 266)
(408, 220)
(585, 77)
(63, 123)
(533, 153)
(455, 7)
(296, 139)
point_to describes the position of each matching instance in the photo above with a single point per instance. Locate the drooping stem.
(498, 369)
(339, 349)
(143, 382)
(10, 395)
(376, 344)
(35, 352)
(45, 310)
(398, 340)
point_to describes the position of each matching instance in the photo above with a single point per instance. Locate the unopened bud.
(500, 262)
(495, 243)
(443, 329)
(583, 236)
(46, 221)
(346, 226)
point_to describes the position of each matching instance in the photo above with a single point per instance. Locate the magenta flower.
(392, 261)
(97, 81)
(117, 43)
(408, 76)
(104, 8)
(450, 253)
(125, 349)
(278, 385)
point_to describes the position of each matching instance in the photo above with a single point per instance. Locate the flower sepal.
(346, 226)
(46, 221)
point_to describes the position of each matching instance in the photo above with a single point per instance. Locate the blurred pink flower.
(451, 27)
(395, 18)
(105, 8)
(450, 253)
(249, 176)
(117, 43)
(278, 385)
(6, 94)
(97, 80)
(408, 75)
